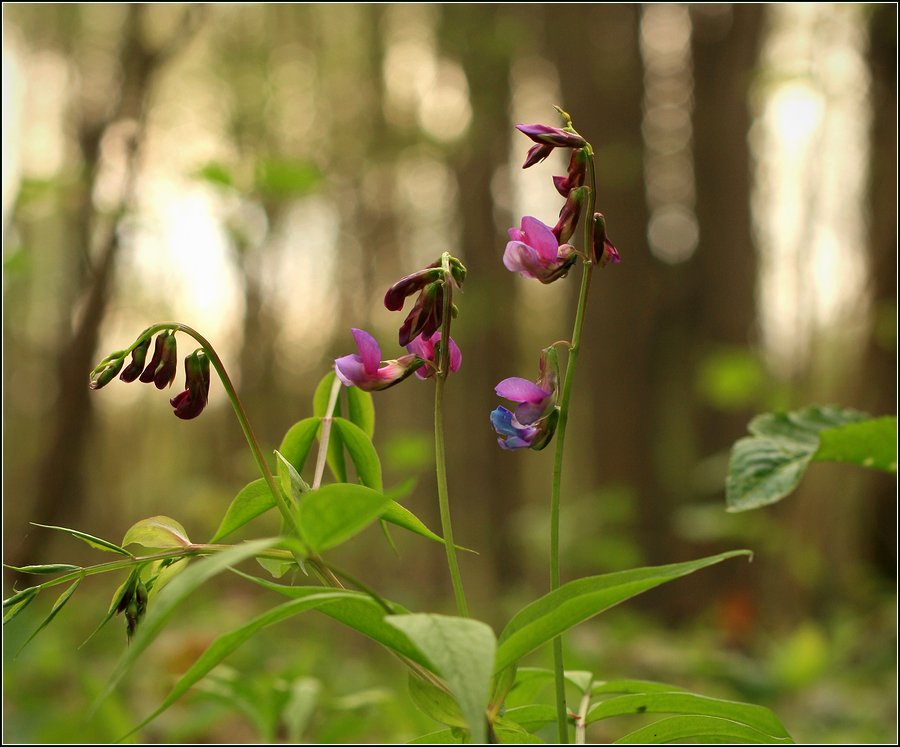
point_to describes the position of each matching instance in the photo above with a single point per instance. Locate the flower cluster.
(420, 332)
(161, 371)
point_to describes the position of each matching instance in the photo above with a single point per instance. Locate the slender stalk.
(580, 725)
(587, 267)
(327, 420)
(439, 452)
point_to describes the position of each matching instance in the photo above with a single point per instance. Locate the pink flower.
(534, 252)
(365, 370)
(424, 348)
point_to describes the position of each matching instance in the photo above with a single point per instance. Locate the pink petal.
(350, 370)
(455, 356)
(517, 389)
(541, 237)
(369, 352)
(522, 258)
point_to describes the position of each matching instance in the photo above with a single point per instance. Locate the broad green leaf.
(700, 730)
(360, 612)
(292, 484)
(362, 452)
(298, 441)
(757, 717)
(321, 398)
(334, 513)
(628, 687)
(871, 443)
(96, 542)
(444, 736)
(252, 501)
(462, 650)
(531, 717)
(175, 593)
(229, 642)
(47, 569)
(435, 702)
(159, 532)
(576, 601)
(510, 732)
(769, 465)
(17, 602)
(361, 410)
(54, 611)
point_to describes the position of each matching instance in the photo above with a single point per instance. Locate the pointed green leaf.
(700, 730)
(628, 687)
(229, 642)
(175, 593)
(276, 568)
(870, 443)
(54, 611)
(531, 717)
(292, 484)
(158, 532)
(298, 441)
(434, 702)
(96, 542)
(757, 717)
(462, 651)
(362, 452)
(508, 731)
(576, 601)
(444, 736)
(361, 410)
(47, 569)
(17, 602)
(252, 501)
(334, 513)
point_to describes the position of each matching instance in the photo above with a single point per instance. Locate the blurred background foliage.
(264, 172)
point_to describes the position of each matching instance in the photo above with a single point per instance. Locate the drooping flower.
(164, 364)
(190, 403)
(424, 347)
(603, 250)
(533, 423)
(552, 136)
(534, 252)
(138, 356)
(367, 371)
(575, 175)
(569, 215)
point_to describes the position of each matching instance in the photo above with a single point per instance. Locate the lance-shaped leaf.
(298, 441)
(54, 611)
(48, 569)
(96, 542)
(699, 730)
(17, 602)
(361, 450)
(253, 500)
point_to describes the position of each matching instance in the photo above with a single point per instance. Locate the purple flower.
(603, 249)
(534, 421)
(552, 136)
(138, 356)
(190, 403)
(365, 370)
(427, 313)
(534, 252)
(536, 154)
(568, 215)
(424, 347)
(163, 365)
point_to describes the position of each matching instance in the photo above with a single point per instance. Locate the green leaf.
(434, 702)
(444, 736)
(871, 443)
(44, 569)
(334, 513)
(757, 717)
(700, 730)
(532, 717)
(54, 611)
(292, 484)
(627, 687)
(359, 611)
(276, 568)
(253, 500)
(361, 410)
(321, 397)
(462, 651)
(283, 178)
(96, 542)
(157, 532)
(508, 731)
(576, 601)
(215, 173)
(229, 642)
(298, 441)
(769, 465)
(170, 599)
(362, 452)
(17, 602)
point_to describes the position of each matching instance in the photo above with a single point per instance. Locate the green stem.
(439, 452)
(586, 270)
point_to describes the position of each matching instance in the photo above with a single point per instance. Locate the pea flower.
(534, 252)
(163, 365)
(424, 347)
(190, 403)
(427, 313)
(138, 356)
(364, 370)
(552, 136)
(568, 215)
(603, 250)
(575, 175)
(533, 423)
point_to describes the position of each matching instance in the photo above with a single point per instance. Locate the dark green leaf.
(44, 569)
(576, 601)
(435, 702)
(158, 532)
(253, 500)
(361, 410)
(334, 513)
(298, 441)
(462, 650)
(871, 443)
(17, 602)
(362, 452)
(54, 611)
(95, 542)
(700, 730)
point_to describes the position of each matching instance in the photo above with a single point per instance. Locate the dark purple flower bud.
(575, 175)
(552, 136)
(106, 371)
(603, 249)
(147, 376)
(398, 292)
(190, 403)
(426, 315)
(536, 154)
(168, 366)
(138, 355)
(568, 216)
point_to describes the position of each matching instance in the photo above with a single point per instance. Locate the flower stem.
(586, 270)
(439, 452)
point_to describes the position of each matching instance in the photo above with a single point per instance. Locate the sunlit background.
(264, 173)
